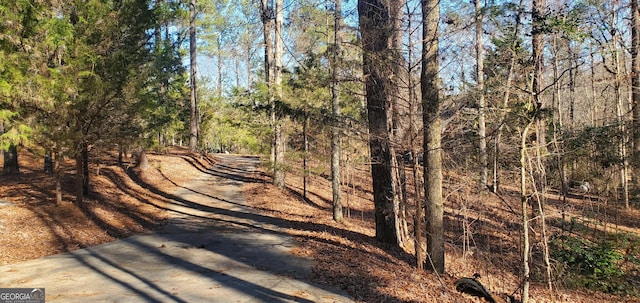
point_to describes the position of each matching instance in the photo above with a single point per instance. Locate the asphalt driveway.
(213, 249)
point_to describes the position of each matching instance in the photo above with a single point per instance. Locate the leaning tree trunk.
(432, 135)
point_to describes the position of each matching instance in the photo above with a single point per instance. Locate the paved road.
(214, 249)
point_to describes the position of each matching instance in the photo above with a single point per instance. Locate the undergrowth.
(606, 265)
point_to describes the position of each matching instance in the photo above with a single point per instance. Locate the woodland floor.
(482, 234)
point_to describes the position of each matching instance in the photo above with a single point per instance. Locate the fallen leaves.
(119, 205)
(348, 256)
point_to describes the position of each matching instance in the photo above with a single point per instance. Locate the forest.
(442, 105)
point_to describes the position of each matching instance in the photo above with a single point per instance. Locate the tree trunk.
(417, 221)
(505, 101)
(635, 82)
(219, 65)
(624, 167)
(120, 155)
(143, 160)
(48, 162)
(85, 169)
(399, 113)
(482, 133)
(413, 128)
(236, 67)
(305, 169)
(157, 31)
(280, 140)
(267, 17)
(525, 214)
(11, 165)
(193, 129)
(557, 124)
(58, 176)
(375, 27)
(616, 73)
(2, 152)
(432, 135)
(248, 58)
(335, 112)
(79, 178)
(537, 41)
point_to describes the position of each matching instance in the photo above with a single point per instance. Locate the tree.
(268, 16)
(512, 43)
(400, 115)
(102, 80)
(535, 117)
(11, 166)
(279, 139)
(335, 113)
(376, 30)
(19, 27)
(432, 135)
(635, 82)
(193, 129)
(482, 132)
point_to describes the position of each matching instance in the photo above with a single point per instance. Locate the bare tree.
(482, 132)
(534, 117)
(525, 213)
(635, 80)
(617, 73)
(505, 98)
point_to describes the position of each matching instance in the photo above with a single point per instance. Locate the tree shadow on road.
(228, 215)
(153, 288)
(211, 223)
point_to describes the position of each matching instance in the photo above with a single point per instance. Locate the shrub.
(592, 265)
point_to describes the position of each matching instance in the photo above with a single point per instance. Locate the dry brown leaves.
(123, 201)
(348, 256)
